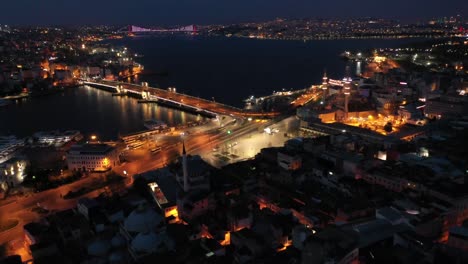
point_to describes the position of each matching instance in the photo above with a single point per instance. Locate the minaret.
(184, 168)
(324, 86)
(347, 90)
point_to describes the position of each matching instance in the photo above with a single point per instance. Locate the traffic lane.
(50, 200)
(197, 102)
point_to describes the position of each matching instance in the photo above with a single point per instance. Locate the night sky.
(171, 12)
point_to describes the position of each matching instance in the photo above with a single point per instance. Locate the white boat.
(153, 124)
(9, 146)
(54, 137)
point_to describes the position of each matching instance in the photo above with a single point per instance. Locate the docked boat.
(153, 124)
(56, 137)
(9, 146)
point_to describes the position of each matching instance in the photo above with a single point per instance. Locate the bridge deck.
(188, 100)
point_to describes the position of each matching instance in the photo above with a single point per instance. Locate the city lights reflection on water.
(88, 110)
(358, 68)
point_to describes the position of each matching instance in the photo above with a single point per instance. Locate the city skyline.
(215, 12)
(234, 132)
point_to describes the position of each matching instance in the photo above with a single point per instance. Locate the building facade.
(92, 157)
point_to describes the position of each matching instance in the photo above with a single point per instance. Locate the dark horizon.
(204, 12)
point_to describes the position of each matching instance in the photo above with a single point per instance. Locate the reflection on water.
(86, 109)
(183, 117)
(358, 68)
(223, 68)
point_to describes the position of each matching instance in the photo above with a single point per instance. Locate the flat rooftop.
(91, 149)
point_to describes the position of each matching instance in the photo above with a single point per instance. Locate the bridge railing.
(136, 29)
(186, 95)
(155, 97)
(236, 110)
(151, 96)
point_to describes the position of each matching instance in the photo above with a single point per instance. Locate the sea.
(226, 70)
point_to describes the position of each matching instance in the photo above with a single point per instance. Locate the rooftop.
(91, 149)
(459, 231)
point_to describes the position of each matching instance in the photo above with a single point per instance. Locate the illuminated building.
(92, 157)
(238, 217)
(289, 161)
(163, 191)
(446, 106)
(12, 173)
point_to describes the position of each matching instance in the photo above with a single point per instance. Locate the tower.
(184, 168)
(324, 86)
(347, 90)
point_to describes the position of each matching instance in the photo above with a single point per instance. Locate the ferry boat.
(153, 124)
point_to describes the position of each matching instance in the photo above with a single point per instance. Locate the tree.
(388, 127)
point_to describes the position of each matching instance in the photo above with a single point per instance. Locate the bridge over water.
(132, 29)
(178, 100)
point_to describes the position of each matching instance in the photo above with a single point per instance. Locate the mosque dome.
(118, 241)
(146, 242)
(117, 257)
(142, 219)
(99, 248)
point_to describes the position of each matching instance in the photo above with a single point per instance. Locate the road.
(198, 142)
(250, 144)
(20, 208)
(307, 97)
(201, 103)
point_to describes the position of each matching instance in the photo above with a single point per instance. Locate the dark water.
(231, 69)
(227, 69)
(86, 109)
